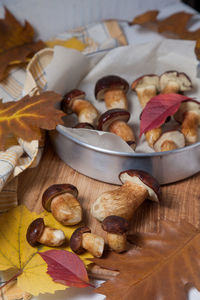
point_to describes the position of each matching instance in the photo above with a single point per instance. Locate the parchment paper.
(129, 62)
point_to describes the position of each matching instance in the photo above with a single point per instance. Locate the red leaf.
(66, 268)
(158, 109)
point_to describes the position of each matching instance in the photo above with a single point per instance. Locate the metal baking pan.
(105, 165)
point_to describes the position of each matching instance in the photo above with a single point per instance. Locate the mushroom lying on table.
(115, 121)
(112, 89)
(74, 102)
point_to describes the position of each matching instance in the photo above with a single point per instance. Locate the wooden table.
(179, 200)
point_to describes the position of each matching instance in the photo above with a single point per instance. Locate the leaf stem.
(11, 279)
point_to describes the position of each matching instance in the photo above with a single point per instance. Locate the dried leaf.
(23, 118)
(16, 41)
(17, 254)
(66, 268)
(158, 109)
(73, 43)
(161, 269)
(149, 16)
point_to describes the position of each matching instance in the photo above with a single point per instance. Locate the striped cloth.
(20, 154)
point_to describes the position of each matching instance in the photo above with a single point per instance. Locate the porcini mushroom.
(84, 125)
(189, 115)
(169, 140)
(61, 201)
(37, 232)
(174, 82)
(115, 121)
(112, 89)
(136, 186)
(82, 239)
(116, 228)
(73, 102)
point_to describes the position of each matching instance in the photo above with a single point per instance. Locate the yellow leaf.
(71, 43)
(16, 253)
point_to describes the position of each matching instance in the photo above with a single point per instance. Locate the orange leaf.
(24, 117)
(161, 268)
(148, 16)
(16, 41)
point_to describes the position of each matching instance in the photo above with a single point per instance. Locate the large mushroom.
(61, 201)
(189, 116)
(112, 89)
(174, 82)
(74, 102)
(136, 186)
(115, 121)
(169, 140)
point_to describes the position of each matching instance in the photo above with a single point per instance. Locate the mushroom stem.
(85, 111)
(168, 145)
(93, 244)
(117, 242)
(115, 98)
(97, 272)
(153, 135)
(190, 127)
(145, 94)
(52, 237)
(123, 130)
(66, 209)
(171, 87)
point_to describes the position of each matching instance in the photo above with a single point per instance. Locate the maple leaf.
(17, 254)
(16, 41)
(23, 118)
(162, 268)
(158, 109)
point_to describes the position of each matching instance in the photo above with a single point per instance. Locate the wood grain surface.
(180, 200)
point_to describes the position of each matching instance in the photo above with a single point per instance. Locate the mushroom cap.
(76, 239)
(186, 106)
(55, 190)
(84, 125)
(109, 82)
(115, 224)
(110, 116)
(184, 82)
(35, 231)
(69, 97)
(171, 135)
(146, 80)
(144, 179)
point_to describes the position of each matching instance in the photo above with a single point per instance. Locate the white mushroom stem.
(66, 209)
(115, 98)
(117, 242)
(123, 130)
(97, 272)
(190, 127)
(93, 244)
(122, 201)
(168, 145)
(52, 237)
(85, 111)
(171, 87)
(153, 135)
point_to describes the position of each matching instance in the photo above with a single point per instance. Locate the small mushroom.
(84, 109)
(115, 121)
(189, 115)
(37, 232)
(116, 228)
(82, 239)
(169, 140)
(174, 82)
(112, 89)
(136, 186)
(61, 201)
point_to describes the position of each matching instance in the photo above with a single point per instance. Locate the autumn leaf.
(66, 268)
(161, 268)
(158, 109)
(23, 118)
(17, 254)
(16, 41)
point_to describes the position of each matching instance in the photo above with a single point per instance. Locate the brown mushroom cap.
(144, 179)
(55, 190)
(174, 136)
(110, 116)
(35, 231)
(76, 239)
(146, 80)
(69, 97)
(115, 224)
(184, 82)
(109, 82)
(84, 125)
(186, 106)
